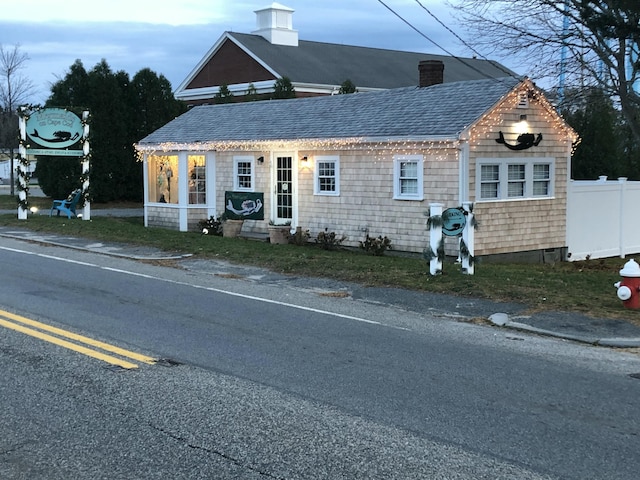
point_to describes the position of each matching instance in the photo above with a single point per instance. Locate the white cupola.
(275, 23)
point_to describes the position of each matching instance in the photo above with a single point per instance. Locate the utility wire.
(444, 49)
(461, 40)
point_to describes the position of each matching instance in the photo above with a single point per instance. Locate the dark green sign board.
(244, 205)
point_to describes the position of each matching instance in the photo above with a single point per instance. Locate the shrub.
(329, 240)
(301, 237)
(376, 246)
(211, 226)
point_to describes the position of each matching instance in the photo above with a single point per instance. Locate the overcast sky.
(170, 37)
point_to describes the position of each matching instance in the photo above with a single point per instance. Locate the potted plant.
(279, 234)
(231, 227)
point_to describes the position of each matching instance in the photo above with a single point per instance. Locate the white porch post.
(183, 191)
(435, 237)
(468, 237)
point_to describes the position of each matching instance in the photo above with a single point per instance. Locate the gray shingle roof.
(438, 111)
(332, 64)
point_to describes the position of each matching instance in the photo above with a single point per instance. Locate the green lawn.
(585, 286)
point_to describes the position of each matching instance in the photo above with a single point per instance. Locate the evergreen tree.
(251, 95)
(123, 111)
(58, 176)
(283, 88)
(153, 102)
(347, 87)
(224, 95)
(597, 124)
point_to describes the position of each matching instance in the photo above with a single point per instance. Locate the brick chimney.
(431, 72)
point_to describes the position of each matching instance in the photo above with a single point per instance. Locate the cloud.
(169, 12)
(171, 37)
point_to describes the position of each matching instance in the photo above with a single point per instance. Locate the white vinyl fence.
(603, 218)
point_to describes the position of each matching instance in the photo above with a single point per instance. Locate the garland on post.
(23, 177)
(464, 252)
(435, 221)
(85, 160)
(429, 254)
(23, 174)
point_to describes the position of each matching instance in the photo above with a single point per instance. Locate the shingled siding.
(527, 224)
(262, 178)
(366, 203)
(163, 217)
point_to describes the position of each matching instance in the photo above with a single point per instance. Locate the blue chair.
(67, 206)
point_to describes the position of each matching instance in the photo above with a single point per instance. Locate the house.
(372, 163)
(241, 61)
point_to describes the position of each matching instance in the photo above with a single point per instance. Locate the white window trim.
(503, 164)
(236, 184)
(316, 175)
(397, 160)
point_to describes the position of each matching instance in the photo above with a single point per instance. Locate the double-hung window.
(408, 177)
(541, 179)
(506, 179)
(243, 174)
(327, 176)
(516, 180)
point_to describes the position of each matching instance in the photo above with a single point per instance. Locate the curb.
(502, 320)
(101, 249)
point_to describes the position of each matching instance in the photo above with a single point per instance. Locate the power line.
(444, 49)
(448, 29)
(461, 40)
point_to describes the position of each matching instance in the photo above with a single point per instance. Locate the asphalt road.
(267, 381)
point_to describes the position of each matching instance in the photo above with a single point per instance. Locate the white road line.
(211, 289)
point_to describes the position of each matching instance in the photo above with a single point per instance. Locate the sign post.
(52, 132)
(452, 222)
(435, 240)
(467, 239)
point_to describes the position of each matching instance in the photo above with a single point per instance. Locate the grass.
(585, 287)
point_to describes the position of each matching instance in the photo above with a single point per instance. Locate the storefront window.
(163, 178)
(197, 180)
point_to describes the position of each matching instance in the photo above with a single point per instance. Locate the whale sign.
(244, 205)
(54, 130)
(453, 221)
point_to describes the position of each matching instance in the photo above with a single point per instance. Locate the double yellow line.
(18, 323)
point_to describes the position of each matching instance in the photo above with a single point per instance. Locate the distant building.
(241, 61)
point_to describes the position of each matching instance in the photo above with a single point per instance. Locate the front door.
(283, 191)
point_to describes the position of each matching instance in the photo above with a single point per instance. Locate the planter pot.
(279, 234)
(231, 228)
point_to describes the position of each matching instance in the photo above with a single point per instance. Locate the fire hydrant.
(629, 287)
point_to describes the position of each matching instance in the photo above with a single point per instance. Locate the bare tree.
(14, 91)
(569, 43)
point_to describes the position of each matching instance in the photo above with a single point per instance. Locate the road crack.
(219, 453)
(15, 448)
